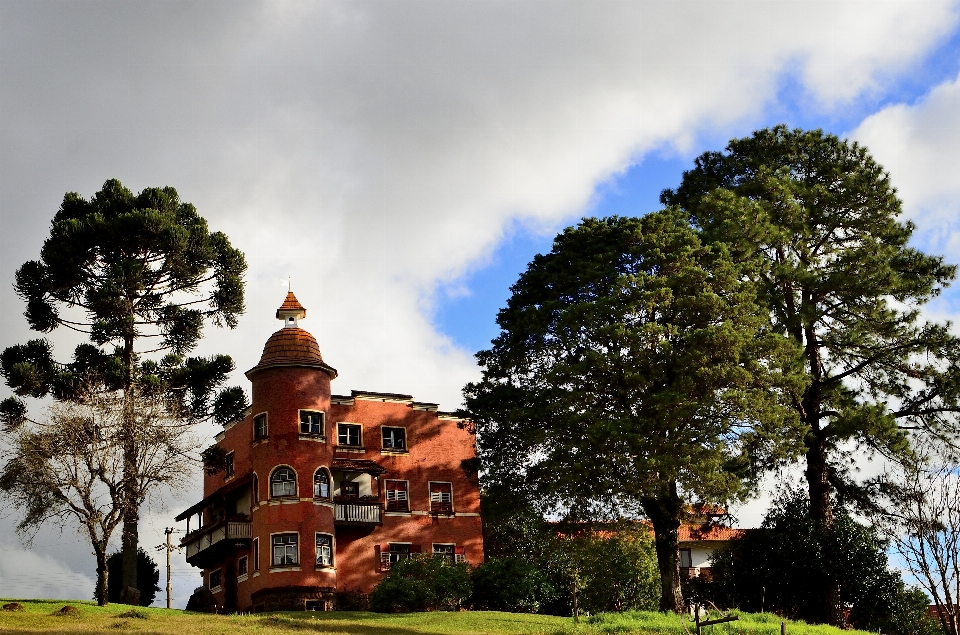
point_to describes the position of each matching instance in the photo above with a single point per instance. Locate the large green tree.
(139, 274)
(630, 378)
(817, 221)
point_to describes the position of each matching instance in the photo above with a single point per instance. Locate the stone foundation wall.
(294, 599)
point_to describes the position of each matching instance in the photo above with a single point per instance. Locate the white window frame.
(273, 553)
(256, 554)
(296, 482)
(246, 561)
(444, 554)
(230, 468)
(359, 428)
(329, 546)
(266, 426)
(383, 441)
(323, 423)
(329, 483)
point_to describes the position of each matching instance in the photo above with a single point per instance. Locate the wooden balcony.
(361, 513)
(209, 544)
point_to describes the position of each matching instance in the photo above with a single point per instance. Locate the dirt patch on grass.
(68, 611)
(14, 606)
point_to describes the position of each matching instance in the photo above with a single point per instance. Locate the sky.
(401, 162)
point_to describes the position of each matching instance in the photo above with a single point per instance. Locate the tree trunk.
(101, 594)
(664, 513)
(130, 537)
(821, 513)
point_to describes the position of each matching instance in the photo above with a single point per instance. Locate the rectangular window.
(399, 552)
(241, 566)
(443, 551)
(397, 499)
(394, 438)
(348, 434)
(441, 497)
(685, 560)
(256, 554)
(284, 550)
(394, 552)
(260, 426)
(214, 583)
(255, 491)
(229, 467)
(311, 422)
(324, 550)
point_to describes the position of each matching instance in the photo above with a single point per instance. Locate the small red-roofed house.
(322, 492)
(698, 542)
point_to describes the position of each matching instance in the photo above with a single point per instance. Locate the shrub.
(352, 600)
(422, 583)
(509, 584)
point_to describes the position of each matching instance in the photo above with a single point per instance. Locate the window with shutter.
(397, 496)
(459, 554)
(441, 497)
(444, 551)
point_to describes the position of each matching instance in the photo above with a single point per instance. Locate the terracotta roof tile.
(292, 347)
(290, 303)
(693, 533)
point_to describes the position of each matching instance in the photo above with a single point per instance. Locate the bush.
(618, 571)
(780, 567)
(422, 583)
(148, 577)
(352, 600)
(509, 584)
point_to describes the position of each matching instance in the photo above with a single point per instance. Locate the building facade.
(322, 492)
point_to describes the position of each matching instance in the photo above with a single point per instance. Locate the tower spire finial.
(291, 310)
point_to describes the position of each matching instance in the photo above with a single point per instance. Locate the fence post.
(783, 628)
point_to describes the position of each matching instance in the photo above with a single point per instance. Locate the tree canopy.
(139, 275)
(632, 376)
(817, 223)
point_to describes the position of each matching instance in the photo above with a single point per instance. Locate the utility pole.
(169, 548)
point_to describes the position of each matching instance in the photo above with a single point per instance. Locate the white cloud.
(920, 146)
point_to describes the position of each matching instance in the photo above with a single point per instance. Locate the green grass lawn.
(41, 616)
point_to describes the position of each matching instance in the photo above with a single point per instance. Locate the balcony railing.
(358, 513)
(209, 536)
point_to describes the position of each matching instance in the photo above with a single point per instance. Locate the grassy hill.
(45, 616)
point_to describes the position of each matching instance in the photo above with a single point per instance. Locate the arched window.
(283, 482)
(321, 483)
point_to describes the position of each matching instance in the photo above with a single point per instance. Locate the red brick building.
(322, 492)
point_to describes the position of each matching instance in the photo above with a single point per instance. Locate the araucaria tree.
(632, 376)
(817, 221)
(140, 274)
(70, 465)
